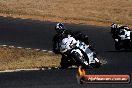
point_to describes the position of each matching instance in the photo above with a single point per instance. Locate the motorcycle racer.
(116, 29)
(121, 35)
(62, 32)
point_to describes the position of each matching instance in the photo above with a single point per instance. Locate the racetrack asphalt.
(38, 34)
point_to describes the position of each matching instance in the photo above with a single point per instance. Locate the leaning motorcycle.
(123, 40)
(79, 53)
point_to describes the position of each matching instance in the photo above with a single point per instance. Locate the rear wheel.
(65, 63)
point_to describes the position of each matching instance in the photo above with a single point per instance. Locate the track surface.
(38, 34)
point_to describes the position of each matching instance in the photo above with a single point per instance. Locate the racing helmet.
(114, 26)
(59, 27)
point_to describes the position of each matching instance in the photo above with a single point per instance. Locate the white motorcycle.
(123, 40)
(79, 52)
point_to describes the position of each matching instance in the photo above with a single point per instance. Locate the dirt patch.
(93, 12)
(14, 58)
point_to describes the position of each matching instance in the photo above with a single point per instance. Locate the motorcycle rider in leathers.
(62, 33)
(115, 29)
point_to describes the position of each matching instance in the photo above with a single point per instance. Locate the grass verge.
(96, 12)
(14, 58)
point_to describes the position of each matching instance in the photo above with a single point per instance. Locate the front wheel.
(79, 59)
(97, 63)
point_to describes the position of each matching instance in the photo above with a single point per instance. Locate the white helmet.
(59, 27)
(114, 25)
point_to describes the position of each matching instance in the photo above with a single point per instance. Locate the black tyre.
(79, 60)
(96, 65)
(64, 63)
